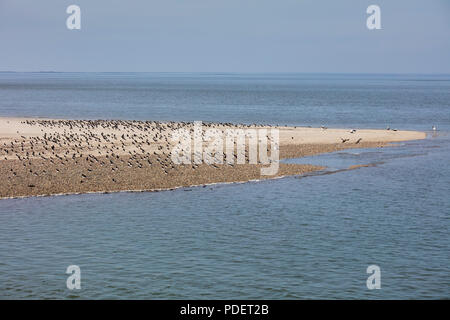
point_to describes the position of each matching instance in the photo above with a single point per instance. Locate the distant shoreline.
(244, 73)
(41, 157)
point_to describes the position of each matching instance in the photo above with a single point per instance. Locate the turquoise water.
(291, 238)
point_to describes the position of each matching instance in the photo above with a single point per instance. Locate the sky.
(226, 36)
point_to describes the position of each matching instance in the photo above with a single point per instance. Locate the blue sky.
(226, 36)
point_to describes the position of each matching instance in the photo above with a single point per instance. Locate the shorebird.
(344, 140)
(358, 141)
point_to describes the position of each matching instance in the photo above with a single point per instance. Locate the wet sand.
(46, 157)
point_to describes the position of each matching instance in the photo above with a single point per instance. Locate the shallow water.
(297, 237)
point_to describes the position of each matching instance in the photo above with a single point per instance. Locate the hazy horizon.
(240, 72)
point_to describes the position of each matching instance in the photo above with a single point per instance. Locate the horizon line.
(237, 72)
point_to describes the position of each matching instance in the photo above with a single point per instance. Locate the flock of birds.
(110, 143)
(104, 143)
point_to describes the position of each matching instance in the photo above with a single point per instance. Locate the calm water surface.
(297, 237)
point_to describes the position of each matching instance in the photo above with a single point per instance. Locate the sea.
(302, 237)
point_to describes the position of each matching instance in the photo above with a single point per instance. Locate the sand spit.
(49, 157)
